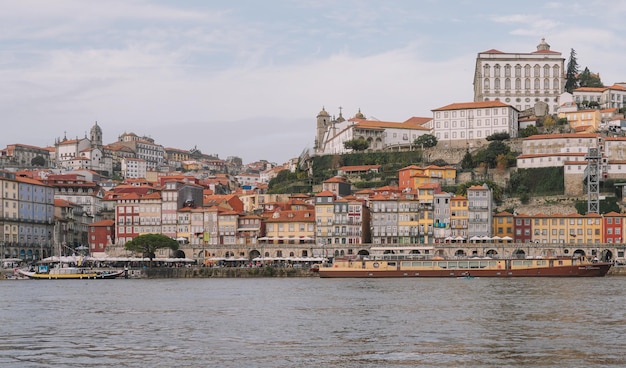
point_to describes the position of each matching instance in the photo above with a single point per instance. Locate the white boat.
(74, 273)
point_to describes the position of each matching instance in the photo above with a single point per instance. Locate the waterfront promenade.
(251, 272)
(196, 272)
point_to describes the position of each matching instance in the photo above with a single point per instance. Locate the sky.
(247, 78)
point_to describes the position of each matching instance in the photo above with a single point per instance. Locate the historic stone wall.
(224, 272)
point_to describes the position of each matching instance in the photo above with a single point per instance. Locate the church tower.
(96, 136)
(323, 121)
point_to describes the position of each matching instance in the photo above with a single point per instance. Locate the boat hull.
(592, 270)
(72, 276)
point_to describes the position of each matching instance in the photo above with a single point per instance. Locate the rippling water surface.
(297, 322)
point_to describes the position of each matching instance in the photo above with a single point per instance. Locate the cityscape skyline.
(247, 79)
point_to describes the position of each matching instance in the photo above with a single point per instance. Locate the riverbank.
(242, 272)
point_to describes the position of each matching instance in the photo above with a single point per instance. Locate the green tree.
(426, 141)
(439, 162)
(571, 75)
(38, 161)
(147, 244)
(358, 144)
(589, 79)
(500, 136)
(467, 162)
(549, 123)
(489, 154)
(528, 131)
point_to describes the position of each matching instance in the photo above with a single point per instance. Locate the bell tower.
(323, 121)
(96, 135)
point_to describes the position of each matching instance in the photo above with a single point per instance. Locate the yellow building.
(150, 213)
(426, 197)
(571, 228)
(414, 176)
(9, 199)
(227, 227)
(324, 216)
(289, 227)
(459, 215)
(583, 121)
(503, 225)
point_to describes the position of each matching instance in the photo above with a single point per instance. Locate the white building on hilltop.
(468, 124)
(520, 79)
(381, 135)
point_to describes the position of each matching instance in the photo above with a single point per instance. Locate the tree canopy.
(528, 131)
(358, 144)
(589, 79)
(571, 75)
(490, 154)
(426, 141)
(38, 161)
(147, 244)
(499, 136)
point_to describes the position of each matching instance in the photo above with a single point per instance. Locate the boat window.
(493, 263)
(524, 262)
(393, 264)
(407, 264)
(474, 264)
(463, 264)
(453, 264)
(542, 262)
(416, 264)
(442, 264)
(427, 264)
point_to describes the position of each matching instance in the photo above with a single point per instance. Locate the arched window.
(507, 70)
(496, 70)
(537, 70)
(527, 83)
(486, 71)
(507, 83)
(555, 83)
(536, 86)
(486, 84)
(546, 83)
(496, 84)
(526, 70)
(518, 83)
(546, 71)
(518, 71)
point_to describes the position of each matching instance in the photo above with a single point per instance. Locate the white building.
(134, 168)
(381, 135)
(548, 150)
(468, 124)
(144, 148)
(607, 97)
(520, 79)
(480, 203)
(83, 153)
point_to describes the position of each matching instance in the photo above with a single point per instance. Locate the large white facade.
(468, 124)
(381, 135)
(520, 79)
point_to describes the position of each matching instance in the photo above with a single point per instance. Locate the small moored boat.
(76, 273)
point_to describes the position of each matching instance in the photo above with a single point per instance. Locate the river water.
(310, 322)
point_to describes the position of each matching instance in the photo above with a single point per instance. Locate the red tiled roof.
(472, 105)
